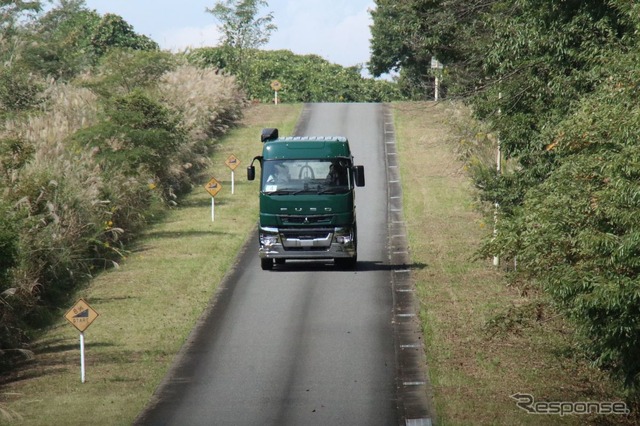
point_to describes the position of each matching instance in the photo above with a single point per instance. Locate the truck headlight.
(268, 239)
(343, 236)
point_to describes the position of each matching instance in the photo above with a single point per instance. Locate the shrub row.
(304, 78)
(79, 178)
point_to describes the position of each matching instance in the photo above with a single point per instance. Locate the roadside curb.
(413, 387)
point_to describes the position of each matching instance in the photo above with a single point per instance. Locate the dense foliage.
(304, 78)
(558, 82)
(99, 131)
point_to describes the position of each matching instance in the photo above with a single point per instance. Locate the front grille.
(306, 220)
(303, 249)
(305, 234)
(306, 239)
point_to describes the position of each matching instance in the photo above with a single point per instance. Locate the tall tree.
(406, 35)
(242, 28)
(115, 32)
(60, 40)
(396, 36)
(12, 14)
(12, 10)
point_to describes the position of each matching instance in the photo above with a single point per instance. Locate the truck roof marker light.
(313, 138)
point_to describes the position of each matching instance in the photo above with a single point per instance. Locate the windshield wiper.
(279, 192)
(333, 190)
(327, 191)
(299, 191)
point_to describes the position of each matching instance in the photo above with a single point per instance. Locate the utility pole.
(496, 259)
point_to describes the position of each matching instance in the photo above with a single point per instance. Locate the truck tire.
(266, 264)
(346, 262)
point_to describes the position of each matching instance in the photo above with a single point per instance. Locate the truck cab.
(307, 199)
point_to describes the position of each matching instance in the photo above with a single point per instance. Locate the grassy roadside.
(485, 340)
(147, 306)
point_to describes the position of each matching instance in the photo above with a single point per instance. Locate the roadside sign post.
(232, 162)
(437, 65)
(276, 86)
(213, 187)
(81, 315)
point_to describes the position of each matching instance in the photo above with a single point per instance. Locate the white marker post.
(82, 356)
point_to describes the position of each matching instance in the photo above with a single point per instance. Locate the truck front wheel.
(346, 262)
(266, 264)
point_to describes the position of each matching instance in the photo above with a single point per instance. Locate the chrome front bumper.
(293, 243)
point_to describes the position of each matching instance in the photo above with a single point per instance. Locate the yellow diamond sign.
(276, 85)
(213, 187)
(232, 162)
(81, 315)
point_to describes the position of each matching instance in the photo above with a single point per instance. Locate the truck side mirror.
(269, 135)
(358, 172)
(251, 170)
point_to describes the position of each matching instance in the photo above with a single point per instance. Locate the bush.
(123, 70)
(138, 136)
(8, 243)
(59, 229)
(115, 32)
(80, 179)
(19, 89)
(209, 104)
(83, 165)
(304, 78)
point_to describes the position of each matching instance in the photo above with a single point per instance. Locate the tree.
(396, 36)
(12, 15)
(60, 41)
(11, 11)
(406, 35)
(122, 71)
(304, 78)
(567, 71)
(242, 30)
(113, 31)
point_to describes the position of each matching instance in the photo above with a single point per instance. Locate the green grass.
(147, 306)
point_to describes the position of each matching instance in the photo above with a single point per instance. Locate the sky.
(337, 30)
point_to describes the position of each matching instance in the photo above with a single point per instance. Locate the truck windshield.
(327, 176)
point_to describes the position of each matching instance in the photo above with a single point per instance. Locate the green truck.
(307, 199)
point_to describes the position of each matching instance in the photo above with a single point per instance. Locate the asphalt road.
(304, 344)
